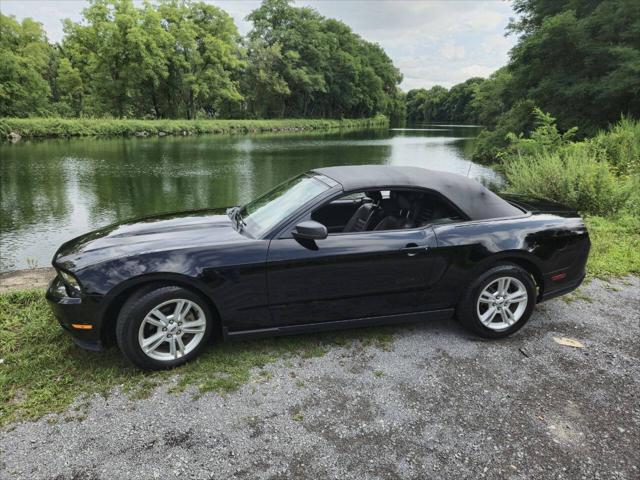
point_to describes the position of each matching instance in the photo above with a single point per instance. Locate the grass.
(82, 127)
(615, 246)
(574, 296)
(43, 372)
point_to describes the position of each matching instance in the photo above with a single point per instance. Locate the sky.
(432, 42)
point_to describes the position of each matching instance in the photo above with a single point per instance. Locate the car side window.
(357, 196)
(383, 210)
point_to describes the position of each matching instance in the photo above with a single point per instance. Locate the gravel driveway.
(438, 404)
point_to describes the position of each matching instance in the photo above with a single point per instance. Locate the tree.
(69, 89)
(490, 98)
(579, 59)
(459, 106)
(304, 64)
(174, 59)
(185, 59)
(203, 59)
(117, 52)
(25, 52)
(263, 82)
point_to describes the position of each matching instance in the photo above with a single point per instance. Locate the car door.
(348, 275)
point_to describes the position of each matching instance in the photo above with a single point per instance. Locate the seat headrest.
(374, 195)
(403, 201)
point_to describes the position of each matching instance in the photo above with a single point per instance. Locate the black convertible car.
(332, 248)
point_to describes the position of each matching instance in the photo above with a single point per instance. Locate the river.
(54, 190)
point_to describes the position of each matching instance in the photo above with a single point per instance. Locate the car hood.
(168, 231)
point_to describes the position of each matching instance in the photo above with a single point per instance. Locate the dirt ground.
(440, 403)
(24, 279)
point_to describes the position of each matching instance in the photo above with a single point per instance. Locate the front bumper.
(82, 310)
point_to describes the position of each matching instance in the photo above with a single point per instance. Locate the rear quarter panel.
(545, 243)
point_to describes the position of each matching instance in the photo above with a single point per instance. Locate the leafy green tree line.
(186, 59)
(438, 104)
(579, 60)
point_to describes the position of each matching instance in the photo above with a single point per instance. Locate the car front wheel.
(499, 302)
(163, 328)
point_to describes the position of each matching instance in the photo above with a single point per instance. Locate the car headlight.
(71, 283)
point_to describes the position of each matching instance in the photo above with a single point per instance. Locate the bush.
(597, 176)
(544, 139)
(577, 180)
(620, 146)
(491, 144)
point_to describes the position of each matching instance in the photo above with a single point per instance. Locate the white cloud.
(451, 51)
(484, 19)
(477, 71)
(496, 44)
(431, 42)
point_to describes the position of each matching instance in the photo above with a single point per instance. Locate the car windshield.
(262, 214)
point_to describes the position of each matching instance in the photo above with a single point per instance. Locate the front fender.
(161, 277)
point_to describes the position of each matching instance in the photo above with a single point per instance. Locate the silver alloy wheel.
(502, 303)
(172, 329)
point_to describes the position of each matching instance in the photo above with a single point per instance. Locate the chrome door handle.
(413, 250)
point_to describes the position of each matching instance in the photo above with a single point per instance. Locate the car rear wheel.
(499, 302)
(163, 328)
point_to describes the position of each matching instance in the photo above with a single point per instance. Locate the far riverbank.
(14, 129)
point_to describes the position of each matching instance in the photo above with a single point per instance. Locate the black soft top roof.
(476, 201)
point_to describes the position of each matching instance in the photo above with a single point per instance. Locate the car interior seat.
(399, 219)
(365, 215)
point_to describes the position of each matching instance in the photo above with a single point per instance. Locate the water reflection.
(57, 189)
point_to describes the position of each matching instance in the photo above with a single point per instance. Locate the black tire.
(134, 311)
(467, 310)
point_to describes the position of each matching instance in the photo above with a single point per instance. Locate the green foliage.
(545, 138)
(43, 371)
(491, 97)
(175, 59)
(491, 143)
(426, 105)
(69, 89)
(620, 146)
(598, 176)
(68, 127)
(615, 246)
(302, 64)
(441, 105)
(579, 60)
(185, 59)
(25, 53)
(570, 178)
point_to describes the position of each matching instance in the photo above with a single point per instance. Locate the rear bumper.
(565, 288)
(574, 257)
(72, 312)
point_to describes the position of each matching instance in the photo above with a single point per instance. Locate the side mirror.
(310, 230)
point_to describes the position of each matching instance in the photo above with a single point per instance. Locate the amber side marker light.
(558, 276)
(82, 326)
